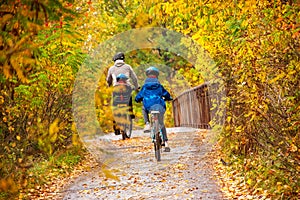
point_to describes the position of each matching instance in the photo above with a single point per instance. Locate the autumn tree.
(40, 53)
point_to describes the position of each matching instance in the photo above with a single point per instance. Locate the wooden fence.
(193, 107)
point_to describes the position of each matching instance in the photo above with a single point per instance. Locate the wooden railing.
(193, 107)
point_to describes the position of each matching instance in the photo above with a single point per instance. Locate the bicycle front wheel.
(157, 147)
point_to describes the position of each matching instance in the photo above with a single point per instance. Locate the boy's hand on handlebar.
(169, 99)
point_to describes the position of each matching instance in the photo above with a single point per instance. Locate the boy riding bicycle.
(154, 95)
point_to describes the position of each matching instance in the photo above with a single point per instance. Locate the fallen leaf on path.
(108, 174)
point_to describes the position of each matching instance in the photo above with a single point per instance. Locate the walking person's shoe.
(147, 128)
(117, 132)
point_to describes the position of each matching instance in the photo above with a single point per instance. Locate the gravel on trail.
(133, 173)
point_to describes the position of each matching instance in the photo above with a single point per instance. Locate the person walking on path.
(120, 67)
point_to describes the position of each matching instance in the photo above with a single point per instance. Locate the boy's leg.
(145, 115)
(164, 132)
(146, 120)
(163, 129)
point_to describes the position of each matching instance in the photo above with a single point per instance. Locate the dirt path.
(183, 173)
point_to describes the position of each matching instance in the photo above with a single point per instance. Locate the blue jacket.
(152, 94)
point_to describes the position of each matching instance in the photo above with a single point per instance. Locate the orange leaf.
(279, 19)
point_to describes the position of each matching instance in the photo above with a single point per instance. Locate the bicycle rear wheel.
(127, 127)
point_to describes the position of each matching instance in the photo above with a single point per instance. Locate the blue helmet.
(122, 77)
(152, 71)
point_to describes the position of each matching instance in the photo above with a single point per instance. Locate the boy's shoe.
(147, 128)
(167, 149)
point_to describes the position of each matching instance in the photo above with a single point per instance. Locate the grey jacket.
(120, 67)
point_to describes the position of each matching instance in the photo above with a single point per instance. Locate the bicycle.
(156, 134)
(121, 111)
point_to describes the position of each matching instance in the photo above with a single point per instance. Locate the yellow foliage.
(53, 130)
(18, 137)
(142, 19)
(1, 100)
(73, 127)
(6, 71)
(75, 139)
(17, 67)
(5, 18)
(8, 185)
